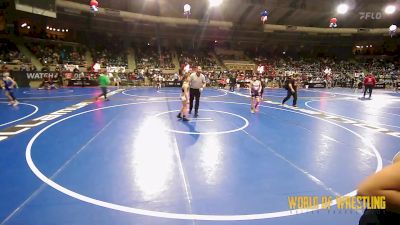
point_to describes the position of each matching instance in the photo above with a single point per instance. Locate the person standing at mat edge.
(104, 81)
(9, 84)
(184, 98)
(291, 87)
(255, 92)
(197, 82)
(232, 83)
(369, 84)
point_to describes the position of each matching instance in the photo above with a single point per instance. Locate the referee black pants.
(289, 94)
(194, 93)
(232, 87)
(369, 89)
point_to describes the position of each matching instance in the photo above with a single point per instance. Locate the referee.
(291, 87)
(197, 83)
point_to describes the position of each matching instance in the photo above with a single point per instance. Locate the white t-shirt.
(197, 82)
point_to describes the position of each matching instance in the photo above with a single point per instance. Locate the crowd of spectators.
(199, 58)
(151, 61)
(9, 54)
(149, 57)
(340, 71)
(110, 57)
(51, 54)
(109, 51)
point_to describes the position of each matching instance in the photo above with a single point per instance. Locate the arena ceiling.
(247, 27)
(246, 13)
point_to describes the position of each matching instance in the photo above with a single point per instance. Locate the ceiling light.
(390, 9)
(214, 3)
(342, 8)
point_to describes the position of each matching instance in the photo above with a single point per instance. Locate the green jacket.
(103, 80)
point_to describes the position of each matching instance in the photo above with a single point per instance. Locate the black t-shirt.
(293, 82)
(294, 85)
